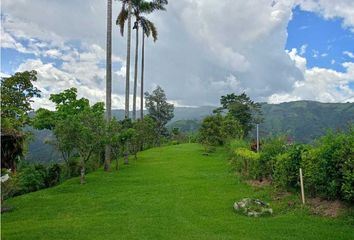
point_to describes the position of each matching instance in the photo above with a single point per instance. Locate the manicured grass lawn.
(168, 193)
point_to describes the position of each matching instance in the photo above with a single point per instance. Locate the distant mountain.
(181, 113)
(301, 120)
(306, 120)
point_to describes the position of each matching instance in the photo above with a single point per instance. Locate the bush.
(30, 179)
(328, 167)
(246, 162)
(286, 168)
(270, 150)
(53, 175)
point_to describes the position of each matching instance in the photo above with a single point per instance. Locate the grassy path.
(168, 193)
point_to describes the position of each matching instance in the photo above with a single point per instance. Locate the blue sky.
(325, 39)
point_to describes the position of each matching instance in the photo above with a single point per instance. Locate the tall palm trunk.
(142, 78)
(127, 79)
(107, 158)
(136, 26)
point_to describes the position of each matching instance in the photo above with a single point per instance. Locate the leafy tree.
(217, 130)
(242, 108)
(146, 132)
(113, 138)
(17, 93)
(159, 110)
(231, 128)
(210, 132)
(79, 128)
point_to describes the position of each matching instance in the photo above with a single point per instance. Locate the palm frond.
(122, 17)
(153, 30)
(145, 26)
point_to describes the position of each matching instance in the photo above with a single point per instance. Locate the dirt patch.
(326, 208)
(259, 183)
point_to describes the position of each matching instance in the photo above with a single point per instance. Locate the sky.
(275, 51)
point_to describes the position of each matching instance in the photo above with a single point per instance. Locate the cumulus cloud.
(206, 48)
(320, 84)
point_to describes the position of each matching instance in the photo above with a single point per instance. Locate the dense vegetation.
(328, 164)
(170, 192)
(80, 134)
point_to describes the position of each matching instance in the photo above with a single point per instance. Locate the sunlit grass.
(171, 192)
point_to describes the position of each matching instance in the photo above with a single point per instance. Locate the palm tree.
(148, 28)
(107, 159)
(125, 14)
(138, 7)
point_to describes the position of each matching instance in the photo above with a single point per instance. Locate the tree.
(146, 132)
(231, 128)
(143, 7)
(218, 129)
(159, 110)
(79, 128)
(108, 150)
(210, 132)
(125, 14)
(242, 108)
(17, 93)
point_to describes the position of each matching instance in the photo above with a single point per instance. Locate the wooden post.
(257, 138)
(302, 187)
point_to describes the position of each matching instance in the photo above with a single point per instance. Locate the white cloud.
(349, 54)
(303, 49)
(206, 48)
(320, 84)
(331, 9)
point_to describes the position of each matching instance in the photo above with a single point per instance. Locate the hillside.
(172, 192)
(302, 120)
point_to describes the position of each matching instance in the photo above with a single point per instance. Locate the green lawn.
(168, 193)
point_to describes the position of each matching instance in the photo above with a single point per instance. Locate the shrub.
(328, 168)
(270, 150)
(30, 179)
(53, 175)
(247, 163)
(286, 168)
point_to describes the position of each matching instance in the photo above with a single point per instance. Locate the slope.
(168, 193)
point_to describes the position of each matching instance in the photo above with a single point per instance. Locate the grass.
(168, 193)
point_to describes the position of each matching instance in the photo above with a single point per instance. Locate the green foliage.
(159, 110)
(30, 179)
(53, 175)
(328, 167)
(243, 109)
(210, 132)
(79, 128)
(231, 128)
(217, 130)
(270, 150)
(17, 93)
(287, 165)
(247, 163)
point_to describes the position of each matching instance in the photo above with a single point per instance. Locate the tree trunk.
(142, 78)
(107, 158)
(127, 77)
(126, 154)
(136, 69)
(82, 174)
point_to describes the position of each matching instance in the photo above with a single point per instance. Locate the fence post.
(302, 187)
